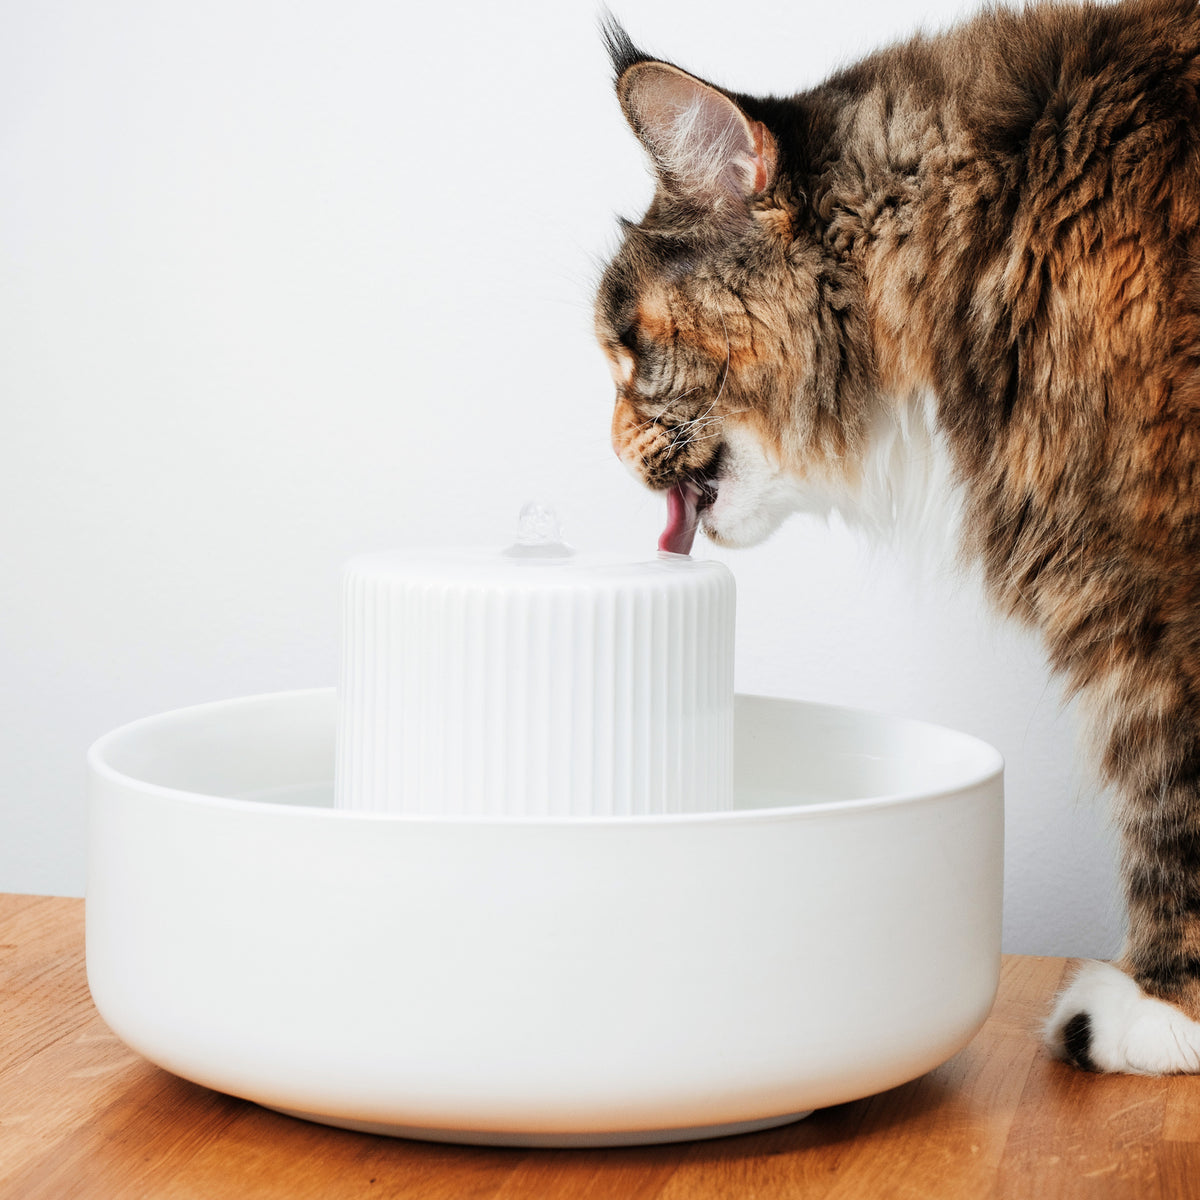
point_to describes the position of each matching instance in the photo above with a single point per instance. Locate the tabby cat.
(984, 243)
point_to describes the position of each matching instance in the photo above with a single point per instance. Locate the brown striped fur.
(1005, 217)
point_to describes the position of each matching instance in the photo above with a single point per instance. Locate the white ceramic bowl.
(544, 981)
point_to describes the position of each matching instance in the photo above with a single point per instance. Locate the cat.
(985, 242)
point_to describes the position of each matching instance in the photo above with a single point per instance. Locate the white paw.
(1104, 1022)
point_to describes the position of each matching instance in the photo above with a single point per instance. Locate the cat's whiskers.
(684, 435)
(667, 406)
(708, 437)
(685, 432)
(685, 429)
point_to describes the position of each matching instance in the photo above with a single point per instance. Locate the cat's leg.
(1141, 1014)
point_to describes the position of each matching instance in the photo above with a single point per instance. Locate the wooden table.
(82, 1116)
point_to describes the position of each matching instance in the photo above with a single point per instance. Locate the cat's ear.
(704, 146)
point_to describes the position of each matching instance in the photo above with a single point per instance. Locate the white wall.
(282, 282)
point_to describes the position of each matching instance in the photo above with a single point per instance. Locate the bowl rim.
(990, 770)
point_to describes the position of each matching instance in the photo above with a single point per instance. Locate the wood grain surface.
(82, 1116)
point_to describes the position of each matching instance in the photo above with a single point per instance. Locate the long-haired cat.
(986, 241)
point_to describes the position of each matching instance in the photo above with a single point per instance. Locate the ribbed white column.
(485, 683)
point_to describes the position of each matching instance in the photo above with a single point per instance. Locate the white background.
(284, 282)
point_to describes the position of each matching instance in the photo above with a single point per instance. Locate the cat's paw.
(1104, 1022)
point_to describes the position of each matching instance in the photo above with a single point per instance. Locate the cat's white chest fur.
(903, 487)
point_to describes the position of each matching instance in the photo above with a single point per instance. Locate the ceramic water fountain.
(534, 876)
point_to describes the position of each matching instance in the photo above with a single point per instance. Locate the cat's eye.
(628, 337)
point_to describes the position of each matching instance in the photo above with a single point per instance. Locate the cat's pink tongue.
(683, 513)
